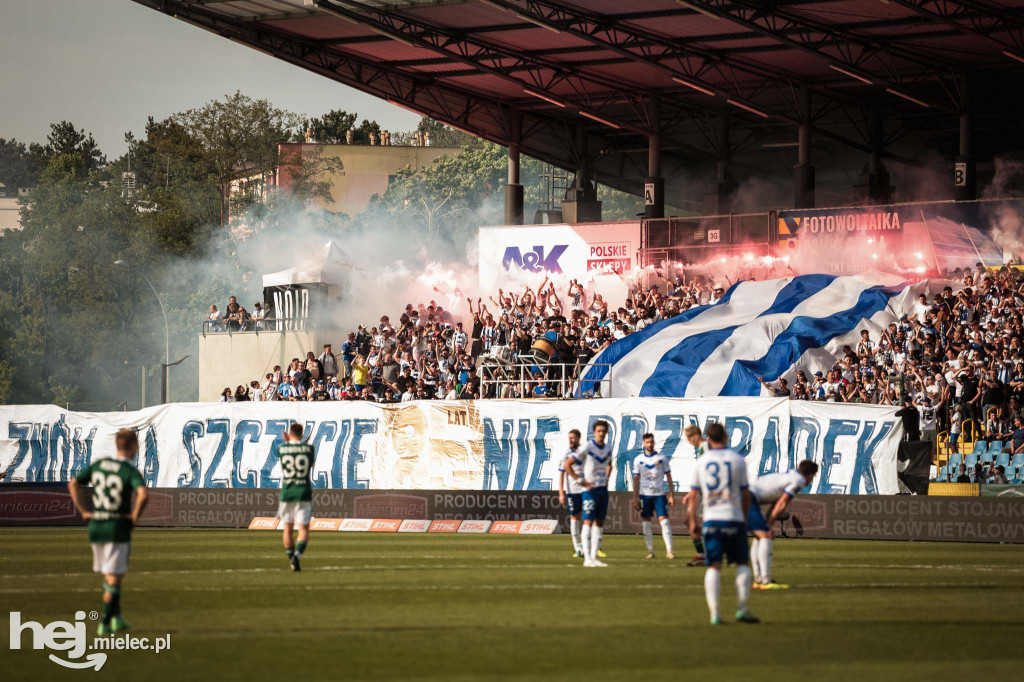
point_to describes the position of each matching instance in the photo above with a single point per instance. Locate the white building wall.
(227, 360)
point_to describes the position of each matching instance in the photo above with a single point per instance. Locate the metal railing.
(556, 380)
(96, 406)
(290, 324)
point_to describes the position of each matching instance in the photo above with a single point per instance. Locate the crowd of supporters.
(955, 362)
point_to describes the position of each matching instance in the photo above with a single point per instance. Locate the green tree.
(442, 135)
(239, 138)
(332, 126)
(449, 199)
(63, 314)
(6, 380)
(181, 204)
(309, 173)
(65, 140)
(20, 164)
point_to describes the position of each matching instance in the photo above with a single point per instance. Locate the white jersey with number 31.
(721, 478)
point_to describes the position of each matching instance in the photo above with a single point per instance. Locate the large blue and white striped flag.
(766, 329)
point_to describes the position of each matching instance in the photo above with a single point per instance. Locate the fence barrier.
(862, 517)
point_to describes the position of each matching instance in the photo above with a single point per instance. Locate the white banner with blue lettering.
(457, 445)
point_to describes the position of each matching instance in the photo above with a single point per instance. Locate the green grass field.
(419, 607)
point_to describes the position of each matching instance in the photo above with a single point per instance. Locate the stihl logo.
(325, 524)
(356, 524)
(414, 526)
(385, 525)
(263, 523)
(474, 526)
(506, 527)
(445, 526)
(534, 261)
(538, 527)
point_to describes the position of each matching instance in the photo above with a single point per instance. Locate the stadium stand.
(958, 360)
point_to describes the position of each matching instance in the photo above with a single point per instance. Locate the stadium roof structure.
(587, 83)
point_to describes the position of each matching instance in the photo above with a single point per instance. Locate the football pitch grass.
(445, 607)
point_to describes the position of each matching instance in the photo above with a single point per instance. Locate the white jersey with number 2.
(721, 478)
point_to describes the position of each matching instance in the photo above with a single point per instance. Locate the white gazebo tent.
(329, 267)
(288, 292)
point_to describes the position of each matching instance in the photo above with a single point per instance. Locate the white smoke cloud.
(1007, 221)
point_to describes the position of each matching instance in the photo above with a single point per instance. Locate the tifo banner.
(759, 331)
(932, 235)
(450, 445)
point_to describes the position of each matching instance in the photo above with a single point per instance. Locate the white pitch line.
(934, 567)
(461, 567)
(354, 567)
(459, 588)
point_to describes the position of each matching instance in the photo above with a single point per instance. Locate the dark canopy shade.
(891, 77)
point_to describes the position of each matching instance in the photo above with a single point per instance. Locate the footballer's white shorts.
(111, 557)
(295, 512)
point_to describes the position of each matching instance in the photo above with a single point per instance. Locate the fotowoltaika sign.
(936, 235)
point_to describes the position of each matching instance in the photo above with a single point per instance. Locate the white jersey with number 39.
(721, 478)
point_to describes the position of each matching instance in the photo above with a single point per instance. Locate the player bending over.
(720, 477)
(296, 509)
(113, 480)
(573, 499)
(650, 474)
(693, 436)
(596, 458)
(780, 489)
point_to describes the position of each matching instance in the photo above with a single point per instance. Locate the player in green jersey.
(113, 480)
(296, 509)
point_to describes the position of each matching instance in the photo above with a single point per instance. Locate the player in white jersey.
(596, 458)
(694, 438)
(651, 472)
(570, 491)
(720, 477)
(780, 489)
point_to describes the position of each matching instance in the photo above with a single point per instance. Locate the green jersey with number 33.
(113, 481)
(296, 466)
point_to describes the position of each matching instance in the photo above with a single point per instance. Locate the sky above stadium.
(105, 65)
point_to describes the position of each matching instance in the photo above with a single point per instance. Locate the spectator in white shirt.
(216, 319)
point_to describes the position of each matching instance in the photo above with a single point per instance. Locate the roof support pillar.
(581, 204)
(654, 183)
(873, 184)
(965, 186)
(514, 188)
(803, 172)
(726, 183)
